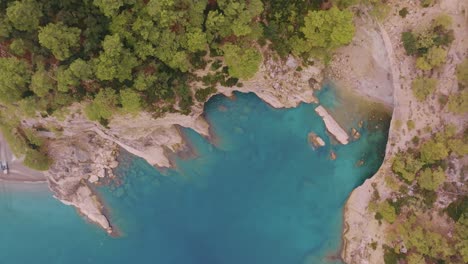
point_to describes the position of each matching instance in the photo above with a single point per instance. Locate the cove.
(261, 194)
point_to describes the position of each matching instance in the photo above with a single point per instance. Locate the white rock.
(93, 178)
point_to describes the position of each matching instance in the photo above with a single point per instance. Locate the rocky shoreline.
(360, 229)
(85, 152)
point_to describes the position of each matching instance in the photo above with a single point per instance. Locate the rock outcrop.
(315, 140)
(79, 160)
(332, 126)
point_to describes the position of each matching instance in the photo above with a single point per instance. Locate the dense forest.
(123, 56)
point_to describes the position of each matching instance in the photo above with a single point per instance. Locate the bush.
(435, 57)
(431, 179)
(432, 151)
(462, 73)
(410, 124)
(387, 211)
(36, 160)
(456, 208)
(406, 166)
(422, 87)
(458, 103)
(216, 65)
(390, 256)
(427, 3)
(202, 94)
(429, 197)
(403, 12)
(409, 43)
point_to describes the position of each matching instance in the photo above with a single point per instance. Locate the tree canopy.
(60, 39)
(24, 15)
(14, 79)
(242, 63)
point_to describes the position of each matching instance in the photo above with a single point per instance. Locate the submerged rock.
(332, 155)
(315, 140)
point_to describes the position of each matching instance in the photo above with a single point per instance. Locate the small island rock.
(315, 140)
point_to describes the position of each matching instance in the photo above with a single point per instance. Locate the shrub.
(432, 151)
(458, 102)
(462, 73)
(403, 12)
(406, 166)
(443, 20)
(202, 94)
(427, 3)
(390, 256)
(431, 179)
(409, 43)
(435, 57)
(387, 211)
(410, 124)
(456, 208)
(36, 160)
(422, 87)
(458, 146)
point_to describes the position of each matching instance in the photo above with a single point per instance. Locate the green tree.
(415, 258)
(243, 63)
(81, 69)
(458, 146)
(115, 62)
(103, 105)
(18, 47)
(36, 160)
(109, 7)
(443, 20)
(196, 40)
(431, 180)
(59, 39)
(422, 87)
(432, 151)
(458, 102)
(41, 83)
(406, 166)
(387, 211)
(5, 26)
(65, 79)
(461, 230)
(462, 73)
(130, 101)
(14, 79)
(142, 82)
(409, 43)
(435, 57)
(328, 29)
(25, 14)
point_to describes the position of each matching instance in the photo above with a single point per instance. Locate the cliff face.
(84, 152)
(360, 227)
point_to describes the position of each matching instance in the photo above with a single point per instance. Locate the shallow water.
(261, 195)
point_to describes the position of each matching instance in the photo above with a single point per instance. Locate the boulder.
(315, 140)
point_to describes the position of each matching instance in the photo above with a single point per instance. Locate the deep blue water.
(260, 195)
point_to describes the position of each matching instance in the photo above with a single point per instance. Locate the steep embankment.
(361, 229)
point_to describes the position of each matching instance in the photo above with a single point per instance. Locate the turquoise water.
(261, 195)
